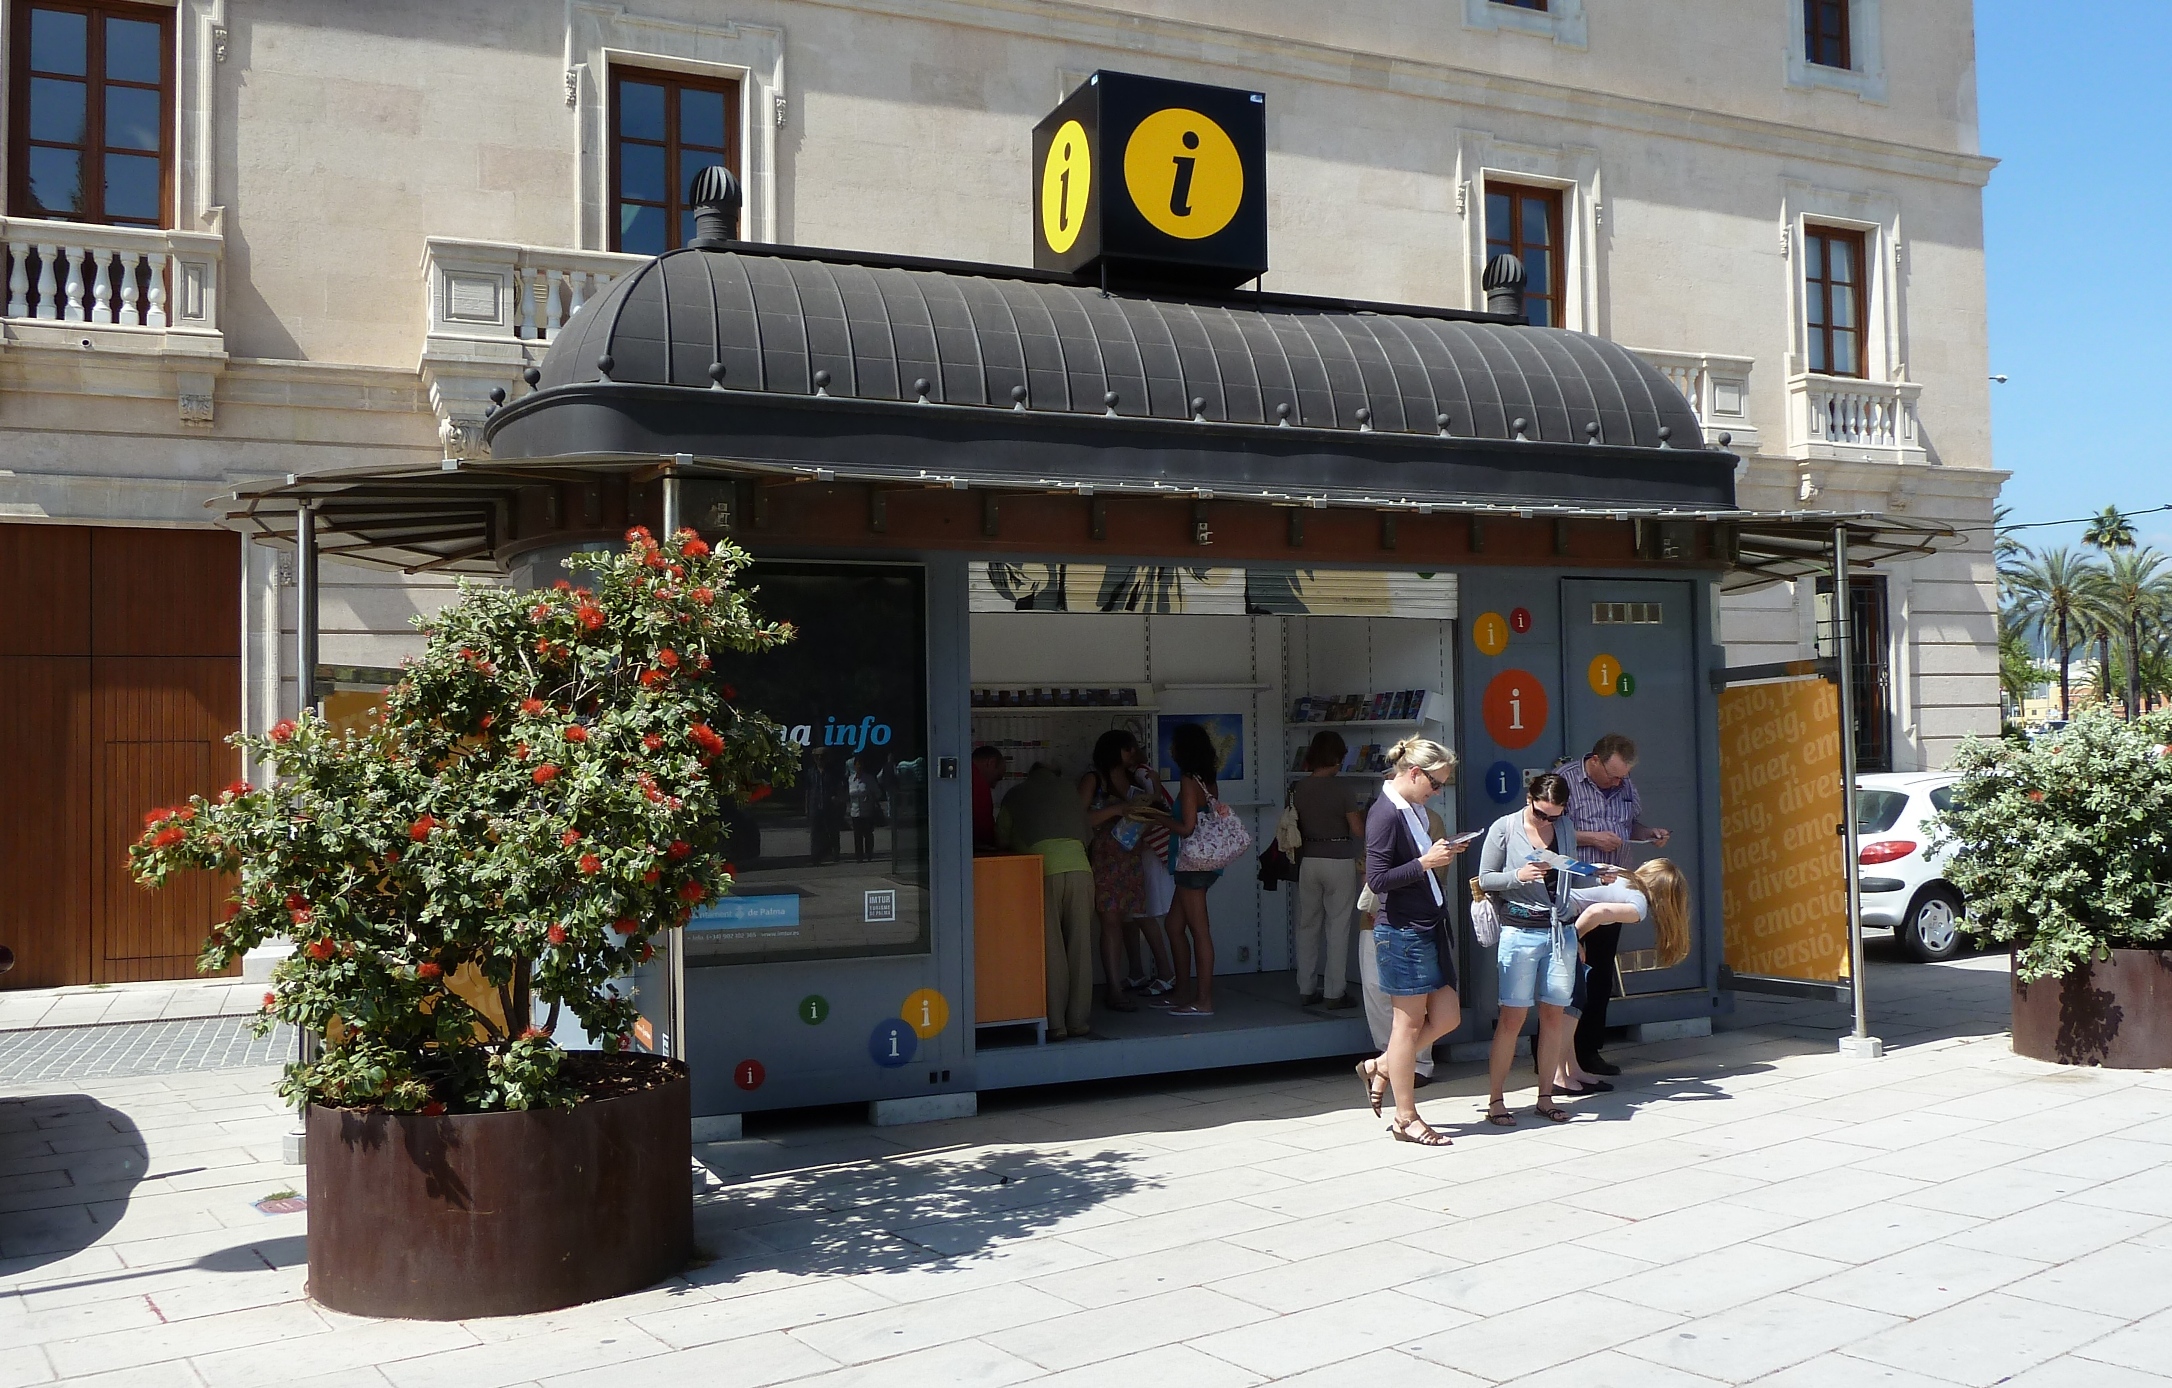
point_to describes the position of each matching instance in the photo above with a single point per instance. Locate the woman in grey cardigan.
(1537, 955)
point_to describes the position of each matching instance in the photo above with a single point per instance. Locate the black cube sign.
(1149, 179)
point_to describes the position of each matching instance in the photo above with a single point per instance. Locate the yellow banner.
(1784, 886)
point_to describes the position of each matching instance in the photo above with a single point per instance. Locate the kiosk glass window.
(834, 866)
(665, 129)
(92, 89)
(1526, 223)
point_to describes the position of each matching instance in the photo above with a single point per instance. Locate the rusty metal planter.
(495, 1214)
(2115, 1013)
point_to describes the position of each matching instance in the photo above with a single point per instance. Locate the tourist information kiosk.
(1024, 507)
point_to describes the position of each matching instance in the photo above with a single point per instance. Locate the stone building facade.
(363, 219)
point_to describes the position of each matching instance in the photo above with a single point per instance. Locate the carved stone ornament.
(195, 407)
(463, 438)
(218, 43)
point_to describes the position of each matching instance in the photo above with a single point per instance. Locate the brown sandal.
(1551, 1112)
(1501, 1119)
(1419, 1131)
(1367, 1074)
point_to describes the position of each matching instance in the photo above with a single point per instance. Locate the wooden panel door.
(166, 592)
(159, 727)
(45, 571)
(45, 783)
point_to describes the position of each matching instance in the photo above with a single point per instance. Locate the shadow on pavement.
(71, 1140)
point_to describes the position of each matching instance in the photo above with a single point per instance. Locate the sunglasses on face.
(1549, 818)
(1438, 786)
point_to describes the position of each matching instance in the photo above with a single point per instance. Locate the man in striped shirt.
(1608, 816)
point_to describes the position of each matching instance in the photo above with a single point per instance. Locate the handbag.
(1288, 836)
(1217, 839)
(1485, 917)
(1275, 866)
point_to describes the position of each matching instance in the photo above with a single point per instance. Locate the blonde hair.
(1420, 752)
(1666, 889)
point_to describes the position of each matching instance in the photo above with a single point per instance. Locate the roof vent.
(714, 196)
(1503, 283)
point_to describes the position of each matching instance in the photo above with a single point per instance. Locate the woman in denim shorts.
(1537, 955)
(1402, 865)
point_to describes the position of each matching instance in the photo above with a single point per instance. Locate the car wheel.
(1932, 929)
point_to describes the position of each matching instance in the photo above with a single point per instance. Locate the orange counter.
(1010, 951)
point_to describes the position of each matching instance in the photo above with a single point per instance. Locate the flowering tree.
(2062, 845)
(543, 793)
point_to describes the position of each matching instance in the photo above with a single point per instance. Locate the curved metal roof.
(793, 325)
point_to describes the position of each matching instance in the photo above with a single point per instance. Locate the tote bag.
(1485, 917)
(1217, 840)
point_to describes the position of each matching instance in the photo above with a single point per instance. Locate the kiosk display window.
(834, 866)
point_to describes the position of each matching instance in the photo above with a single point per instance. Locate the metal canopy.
(451, 517)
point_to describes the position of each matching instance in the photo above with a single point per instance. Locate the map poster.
(1784, 886)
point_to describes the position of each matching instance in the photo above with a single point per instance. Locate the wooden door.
(45, 844)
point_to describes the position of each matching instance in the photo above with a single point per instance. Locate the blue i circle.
(1502, 782)
(892, 1043)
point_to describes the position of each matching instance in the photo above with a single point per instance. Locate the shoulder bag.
(1485, 917)
(1217, 839)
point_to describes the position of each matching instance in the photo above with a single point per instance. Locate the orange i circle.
(1490, 633)
(1604, 676)
(1514, 708)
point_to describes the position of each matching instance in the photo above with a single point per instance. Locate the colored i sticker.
(749, 1074)
(814, 1009)
(1625, 684)
(926, 1012)
(1490, 632)
(892, 1043)
(1604, 675)
(1515, 708)
(1519, 621)
(1502, 782)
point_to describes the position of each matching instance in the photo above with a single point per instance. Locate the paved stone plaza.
(1749, 1207)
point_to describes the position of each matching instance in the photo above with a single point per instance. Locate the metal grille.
(1604, 614)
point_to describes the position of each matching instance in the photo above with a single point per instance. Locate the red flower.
(544, 774)
(531, 707)
(561, 586)
(320, 949)
(543, 648)
(649, 678)
(730, 692)
(392, 855)
(533, 1033)
(758, 793)
(239, 788)
(432, 1109)
(427, 971)
(651, 875)
(652, 742)
(590, 615)
(668, 658)
(624, 925)
(692, 891)
(557, 934)
(488, 719)
(282, 730)
(576, 733)
(702, 664)
(2036, 795)
(420, 829)
(270, 1002)
(169, 836)
(296, 901)
(637, 535)
(302, 915)
(233, 909)
(679, 848)
(730, 868)
(520, 751)
(569, 838)
(695, 547)
(653, 559)
(591, 863)
(186, 812)
(154, 816)
(706, 737)
(539, 612)
(704, 596)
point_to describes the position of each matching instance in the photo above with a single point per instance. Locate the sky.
(2075, 105)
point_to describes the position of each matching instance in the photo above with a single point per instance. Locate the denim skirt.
(1410, 961)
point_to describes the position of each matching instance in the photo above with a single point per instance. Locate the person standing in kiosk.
(1413, 938)
(1609, 817)
(1327, 872)
(1191, 938)
(1043, 815)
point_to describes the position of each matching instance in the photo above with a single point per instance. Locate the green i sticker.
(814, 1009)
(1625, 684)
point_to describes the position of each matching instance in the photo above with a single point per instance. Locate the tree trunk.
(2066, 655)
(2134, 669)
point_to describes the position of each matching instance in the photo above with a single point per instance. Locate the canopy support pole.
(1859, 1042)
(675, 938)
(306, 616)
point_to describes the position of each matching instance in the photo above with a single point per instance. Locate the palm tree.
(2007, 551)
(2110, 530)
(2108, 533)
(2137, 594)
(2062, 593)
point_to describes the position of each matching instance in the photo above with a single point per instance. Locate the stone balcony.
(109, 308)
(1717, 388)
(494, 308)
(1845, 419)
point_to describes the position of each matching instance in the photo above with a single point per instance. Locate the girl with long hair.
(1191, 937)
(1119, 872)
(1657, 891)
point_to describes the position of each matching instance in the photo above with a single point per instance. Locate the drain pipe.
(1860, 1042)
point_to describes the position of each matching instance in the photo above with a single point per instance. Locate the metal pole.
(305, 593)
(675, 946)
(1860, 1042)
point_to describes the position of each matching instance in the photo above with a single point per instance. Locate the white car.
(1904, 885)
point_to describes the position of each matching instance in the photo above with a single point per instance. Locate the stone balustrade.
(1840, 417)
(1717, 388)
(109, 276)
